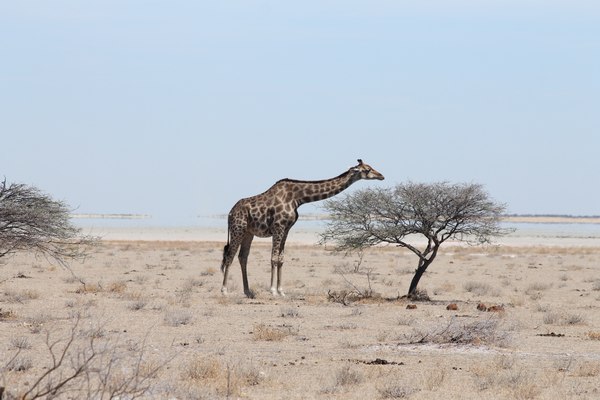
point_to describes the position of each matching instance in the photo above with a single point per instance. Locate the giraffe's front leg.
(274, 274)
(276, 288)
(279, 268)
(277, 263)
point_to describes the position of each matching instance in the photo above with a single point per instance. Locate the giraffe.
(273, 213)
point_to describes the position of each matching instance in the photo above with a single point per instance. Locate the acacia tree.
(410, 211)
(31, 220)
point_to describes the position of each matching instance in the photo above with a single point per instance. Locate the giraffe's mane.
(317, 181)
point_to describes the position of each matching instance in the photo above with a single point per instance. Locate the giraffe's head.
(365, 171)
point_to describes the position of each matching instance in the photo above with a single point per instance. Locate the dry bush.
(537, 287)
(210, 271)
(203, 369)
(347, 376)
(13, 296)
(555, 318)
(478, 288)
(177, 317)
(592, 335)
(37, 321)
(353, 293)
(6, 315)
(395, 391)
(82, 366)
(433, 379)
(21, 342)
(117, 287)
(290, 312)
(483, 332)
(520, 383)
(19, 363)
(137, 305)
(266, 333)
(588, 369)
(92, 288)
(227, 379)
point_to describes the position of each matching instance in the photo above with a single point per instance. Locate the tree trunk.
(418, 274)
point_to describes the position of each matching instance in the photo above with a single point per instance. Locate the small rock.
(411, 307)
(495, 309)
(481, 307)
(452, 307)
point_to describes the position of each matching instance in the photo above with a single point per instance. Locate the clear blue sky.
(180, 108)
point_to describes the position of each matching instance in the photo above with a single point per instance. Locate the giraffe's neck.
(309, 191)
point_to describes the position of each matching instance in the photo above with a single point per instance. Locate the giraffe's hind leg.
(243, 257)
(228, 255)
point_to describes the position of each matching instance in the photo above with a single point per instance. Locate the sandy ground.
(147, 312)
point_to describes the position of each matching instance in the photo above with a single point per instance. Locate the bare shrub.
(203, 368)
(484, 332)
(137, 305)
(37, 322)
(177, 317)
(395, 391)
(537, 287)
(226, 378)
(573, 319)
(555, 318)
(86, 369)
(588, 369)
(270, 334)
(551, 318)
(433, 379)
(117, 287)
(21, 343)
(353, 293)
(521, 382)
(19, 364)
(290, 312)
(347, 375)
(478, 288)
(13, 296)
(6, 315)
(593, 335)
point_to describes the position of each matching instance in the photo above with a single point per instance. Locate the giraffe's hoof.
(274, 291)
(224, 291)
(281, 292)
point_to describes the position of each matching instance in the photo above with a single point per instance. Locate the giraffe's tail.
(225, 252)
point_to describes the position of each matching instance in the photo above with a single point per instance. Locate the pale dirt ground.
(160, 301)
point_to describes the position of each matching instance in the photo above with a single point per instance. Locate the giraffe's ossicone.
(273, 213)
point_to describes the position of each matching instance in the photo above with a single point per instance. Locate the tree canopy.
(410, 211)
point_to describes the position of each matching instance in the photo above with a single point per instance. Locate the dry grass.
(202, 369)
(220, 379)
(563, 318)
(21, 296)
(267, 333)
(593, 335)
(481, 289)
(179, 317)
(117, 287)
